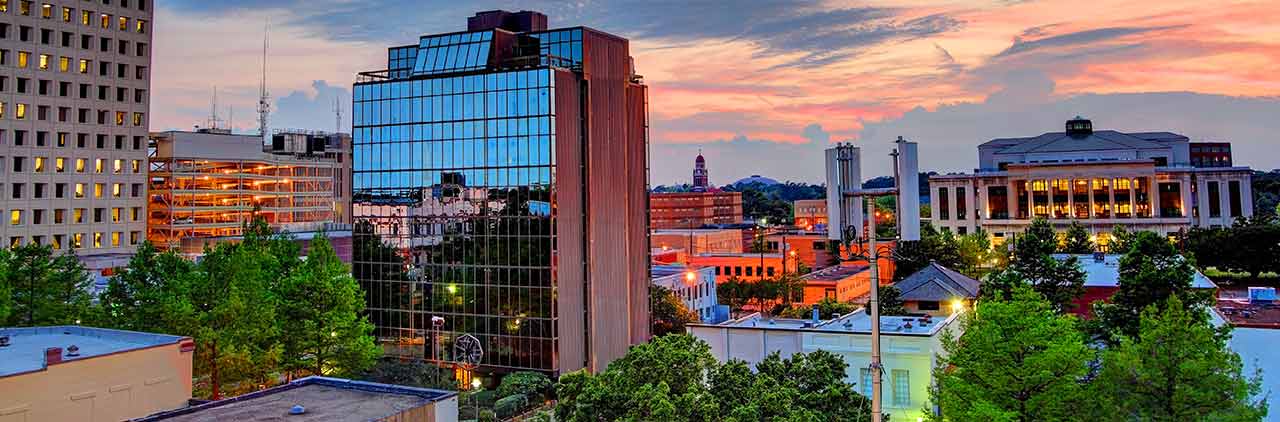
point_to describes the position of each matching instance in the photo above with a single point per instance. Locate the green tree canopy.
(1018, 360)
(321, 310)
(826, 308)
(668, 313)
(236, 332)
(1078, 240)
(1121, 240)
(1032, 263)
(1179, 369)
(933, 246)
(151, 294)
(1150, 274)
(45, 289)
(891, 301)
(675, 378)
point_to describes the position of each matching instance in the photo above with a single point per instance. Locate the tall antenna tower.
(337, 114)
(213, 110)
(264, 98)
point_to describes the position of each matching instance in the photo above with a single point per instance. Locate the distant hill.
(755, 178)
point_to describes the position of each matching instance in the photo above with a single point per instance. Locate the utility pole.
(874, 304)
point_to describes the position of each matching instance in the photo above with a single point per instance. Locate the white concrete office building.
(74, 98)
(1143, 181)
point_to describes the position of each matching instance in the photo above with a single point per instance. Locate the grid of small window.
(400, 60)
(453, 53)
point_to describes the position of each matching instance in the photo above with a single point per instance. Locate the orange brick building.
(847, 282)
(691, 210)
(810, 214)
(745, 266)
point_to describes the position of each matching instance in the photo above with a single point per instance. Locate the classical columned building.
(1143, 181)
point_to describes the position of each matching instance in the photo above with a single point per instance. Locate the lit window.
(59, 165)
(117, 166)
(115, 239)
(120, 118)
(142, 26)
(124, 23)
(79, 194)
(106, 21)
(21, 112)
(97, 190)
(85, 17)
(66, 14)
(57, 242)
(115, 215)
(46, 11)
(4, 5)
(116, 189)
(136, 166)
(24, 7)
(44, 62)
(2, 107)
(15, 217)
(40, 164)
(97, 165)
(78, 216)
(23, 58)
(97, 239)
(77, 240)
(133, 237)
(137, 119)
(64, 64)
(84, 66)
(79, 165)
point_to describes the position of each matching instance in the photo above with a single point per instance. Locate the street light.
(475, 385)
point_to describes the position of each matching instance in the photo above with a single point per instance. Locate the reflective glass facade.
(455, 187)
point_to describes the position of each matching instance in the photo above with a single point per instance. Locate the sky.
(762, 87)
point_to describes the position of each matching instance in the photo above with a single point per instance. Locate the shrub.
(487, 415)
(510, 405)
(533, 385)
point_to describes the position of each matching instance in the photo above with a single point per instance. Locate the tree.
(235, 315)
(933, 246)
(1078, 240)
(1150, 274)
(151, 294)
(1121, 240)
(412, 373)
(6, 291)
(975, 251)
(45, 289)
(1018, 360)
(321, 314)
(1180, 368)
(675, 378)
(891, 302)
(533, 385)
(669, 314)
(1032, 263)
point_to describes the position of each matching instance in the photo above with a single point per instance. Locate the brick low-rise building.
(691, 210)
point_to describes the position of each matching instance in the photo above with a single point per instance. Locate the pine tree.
(1017, 360)
(1179, 369)
(46, 289)
(235, 318)
(1150, 274)
(151, 294)
(1078, 241)
(321, 307)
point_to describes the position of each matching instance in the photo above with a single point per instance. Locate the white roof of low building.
(856, 322)
(26, 349)
(1107, 272)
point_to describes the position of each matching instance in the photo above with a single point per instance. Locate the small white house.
(696, 286)
(910, 347)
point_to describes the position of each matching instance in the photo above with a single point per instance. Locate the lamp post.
(475, 387)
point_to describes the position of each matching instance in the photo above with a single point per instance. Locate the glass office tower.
(500, 189)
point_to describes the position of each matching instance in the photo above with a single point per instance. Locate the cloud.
(740, 156)
(1072, 39)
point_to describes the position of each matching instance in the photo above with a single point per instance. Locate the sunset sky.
(761, 87)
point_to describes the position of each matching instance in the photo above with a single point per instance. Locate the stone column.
(1154, 197)
(1246, 196)
(1202, 199)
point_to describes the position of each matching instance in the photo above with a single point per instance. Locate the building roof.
(835, 273)
(1106, 273)
(856, 322)
(936, 283)
(323, 398)
(27, 346)
(1094, 141)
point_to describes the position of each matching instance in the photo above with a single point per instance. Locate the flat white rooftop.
(1106, 273)
(26, 349)
(856, 322)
